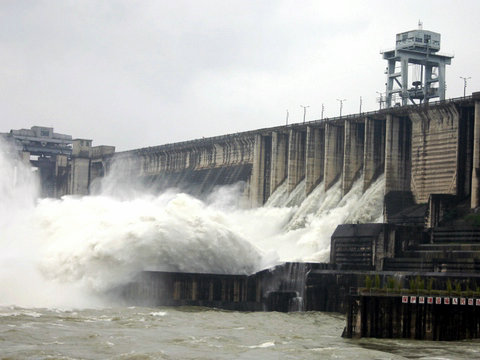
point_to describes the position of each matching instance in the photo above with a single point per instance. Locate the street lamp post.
(304, 111)
(380, 99)
(465, 84)
(341, 105)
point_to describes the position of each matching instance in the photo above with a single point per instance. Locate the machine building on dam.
(421, 149)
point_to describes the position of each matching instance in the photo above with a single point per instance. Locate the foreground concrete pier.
(420, 317)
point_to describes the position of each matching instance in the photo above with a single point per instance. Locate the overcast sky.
(144, 73)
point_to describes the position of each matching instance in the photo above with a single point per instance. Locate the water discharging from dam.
(67, 252)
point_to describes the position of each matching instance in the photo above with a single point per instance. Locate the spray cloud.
(79, 247)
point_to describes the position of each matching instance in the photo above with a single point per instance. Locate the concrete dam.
(421, 150)
(427, 156)
(359, 214)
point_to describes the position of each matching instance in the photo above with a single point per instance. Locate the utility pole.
(360, 105)
(286, 120)
(341, 105)
(304, 111)
(465, 84)
(323, 109)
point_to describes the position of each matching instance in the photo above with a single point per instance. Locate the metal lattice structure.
(420, 48)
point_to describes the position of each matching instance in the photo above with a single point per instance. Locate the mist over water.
(70, 251)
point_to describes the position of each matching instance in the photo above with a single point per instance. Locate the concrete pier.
(397, 153)
(278, 173)
(334, 139)
(353, 153)
(420, 317)
(315, 158)
(296, 158)
(259, 183)
(374, 151)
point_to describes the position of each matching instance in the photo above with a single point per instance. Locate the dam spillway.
(423, 150)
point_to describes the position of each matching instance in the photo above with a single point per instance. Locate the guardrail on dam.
(427, 149)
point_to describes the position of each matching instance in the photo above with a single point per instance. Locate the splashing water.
(68, 252)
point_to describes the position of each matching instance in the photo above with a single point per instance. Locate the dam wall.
(422, 150)
(193, 166)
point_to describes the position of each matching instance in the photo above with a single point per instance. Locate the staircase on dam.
(450, 249)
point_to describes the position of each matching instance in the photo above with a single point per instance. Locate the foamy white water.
(69, 251)
(306, 234)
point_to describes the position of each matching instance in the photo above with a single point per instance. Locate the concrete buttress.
(315, 158)
(296, 158)
(279, 159)
(374, 151)
(333, 154)
(397, 154)
(353, 153)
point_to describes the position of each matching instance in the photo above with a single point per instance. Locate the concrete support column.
(475, 198)
(374, 151)
(296, 158)
(352, 153)
(80, 176)
(315, 158)
(257, 180)
(279, 160)
(397, 154)
(333, 154)
(61, 176)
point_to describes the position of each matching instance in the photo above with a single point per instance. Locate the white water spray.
(68, 252)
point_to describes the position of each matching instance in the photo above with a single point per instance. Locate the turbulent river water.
(194, 333)
(59, 258)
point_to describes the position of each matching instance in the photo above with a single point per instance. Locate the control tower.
(416, 50)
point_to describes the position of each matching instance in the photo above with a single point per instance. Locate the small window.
(44, 133)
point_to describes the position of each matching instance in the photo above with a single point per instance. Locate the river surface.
(198, 333)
